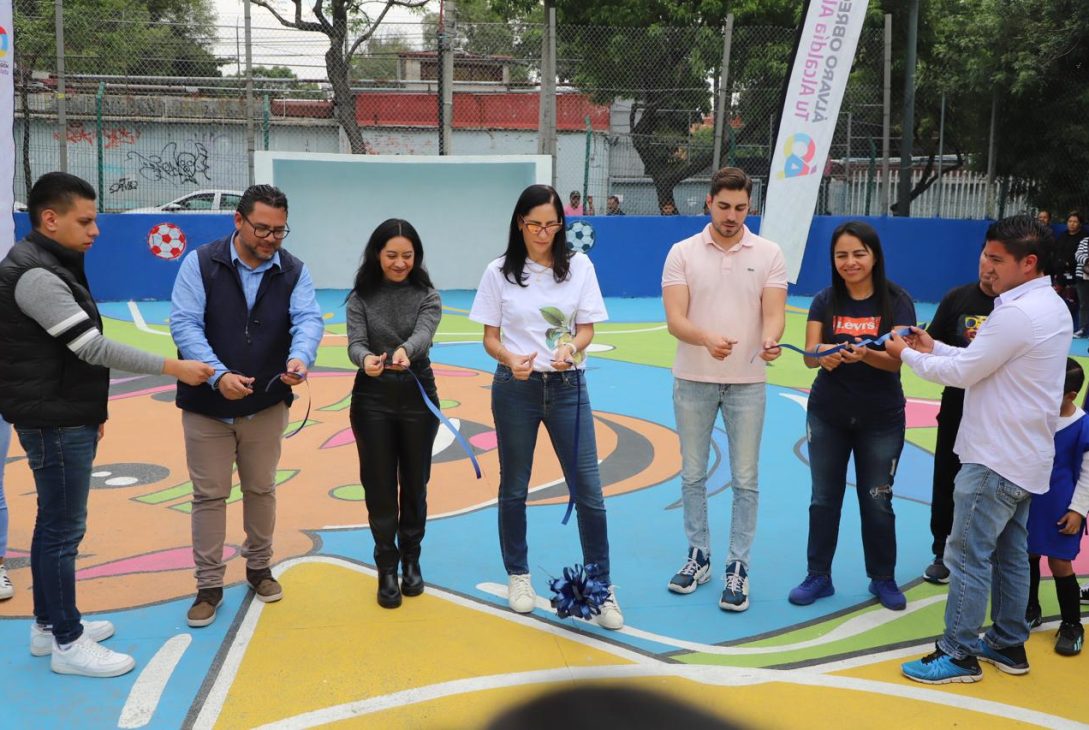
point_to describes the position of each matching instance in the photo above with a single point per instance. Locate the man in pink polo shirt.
(724, 291)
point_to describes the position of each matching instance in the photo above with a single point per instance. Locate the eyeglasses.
(264, 231)
(536, 228)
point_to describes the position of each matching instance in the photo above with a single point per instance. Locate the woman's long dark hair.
(884, 290)
(514, 263)
(369, 276)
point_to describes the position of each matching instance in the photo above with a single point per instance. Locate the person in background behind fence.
(1081, 269)
(574, 207)
(612, 206)
(1068, 272)
(724, 292)
(1044, 216)
(55, 392)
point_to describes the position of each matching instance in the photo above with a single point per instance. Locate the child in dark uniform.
(1056, 518)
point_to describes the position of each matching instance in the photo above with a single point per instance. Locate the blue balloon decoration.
(579, 593)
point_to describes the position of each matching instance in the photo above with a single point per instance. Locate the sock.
(1034, 581)
(1066, 589)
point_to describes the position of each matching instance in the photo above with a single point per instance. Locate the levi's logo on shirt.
(856, 326)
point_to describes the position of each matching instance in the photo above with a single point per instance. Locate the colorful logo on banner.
(799, 151)
(4, 41)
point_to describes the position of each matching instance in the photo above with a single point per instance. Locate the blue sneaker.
(889, 594)
(695, 572)
(812, 588)
(735, 597)
(940, 668)
(1011, 660)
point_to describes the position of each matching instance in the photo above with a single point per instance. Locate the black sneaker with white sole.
(695, 572)
(936, 572)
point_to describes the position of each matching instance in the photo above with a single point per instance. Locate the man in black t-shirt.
(959, 316)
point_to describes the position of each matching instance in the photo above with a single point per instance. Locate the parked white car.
(201, 201)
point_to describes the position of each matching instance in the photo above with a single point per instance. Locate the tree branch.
(298, 23)
(363, 37)
(318, 13)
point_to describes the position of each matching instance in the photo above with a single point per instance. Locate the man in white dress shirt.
(1012, 373)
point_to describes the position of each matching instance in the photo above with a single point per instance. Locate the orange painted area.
(138, 537)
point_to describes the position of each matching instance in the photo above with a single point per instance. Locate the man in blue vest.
(54, 385)
(246, 307)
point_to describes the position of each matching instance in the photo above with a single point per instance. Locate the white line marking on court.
(148, 690)
(217, 695)
(850, 628)
(141, 324)
(711, 675)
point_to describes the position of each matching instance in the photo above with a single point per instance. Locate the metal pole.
(907, 131)
(720, 102)
(266, 122)
(99, 135)
(941, 155)
(586, 165)
(62, 110)
(447, 72)
(250, 144)
(989, 204)
(440, 50)
(886, 193)
(546, 138)
(847, 168)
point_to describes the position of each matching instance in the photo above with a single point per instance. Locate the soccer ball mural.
(580, 237)
(166, 241)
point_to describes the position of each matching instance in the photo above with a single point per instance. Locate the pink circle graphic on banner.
(166, 241)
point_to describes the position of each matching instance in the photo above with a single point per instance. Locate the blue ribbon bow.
(580, 592)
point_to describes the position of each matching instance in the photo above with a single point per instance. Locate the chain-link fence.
(157, 109)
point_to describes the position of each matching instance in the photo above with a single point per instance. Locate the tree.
(380, 57)
(347, 26)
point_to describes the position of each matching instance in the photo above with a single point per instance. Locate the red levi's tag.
(856, 326)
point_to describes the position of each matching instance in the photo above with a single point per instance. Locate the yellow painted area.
(1053, 685)
(328, 642)
(757, 707)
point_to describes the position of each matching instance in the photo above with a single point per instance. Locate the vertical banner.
(7, 129)
(826, 47)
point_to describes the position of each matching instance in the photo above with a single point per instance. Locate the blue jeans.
(696, 405)
(519, 407)
(61, 460)
(985, 554)
(5, 443)
(876, 443)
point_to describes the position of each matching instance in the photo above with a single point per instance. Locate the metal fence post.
(721, 101)
(250, 144)
(62, 104)
(886, 182)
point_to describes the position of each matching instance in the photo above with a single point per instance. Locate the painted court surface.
(328, 655)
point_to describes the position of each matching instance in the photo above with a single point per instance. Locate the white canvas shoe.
(520, 594)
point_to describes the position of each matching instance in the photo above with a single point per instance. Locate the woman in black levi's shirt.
(856, 406)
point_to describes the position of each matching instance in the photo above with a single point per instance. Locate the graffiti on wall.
(174, 165)
(112, 137)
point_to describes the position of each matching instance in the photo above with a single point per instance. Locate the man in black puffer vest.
(54, 382)
(247, 308)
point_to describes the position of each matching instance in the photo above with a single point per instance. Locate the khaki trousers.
(212, 447)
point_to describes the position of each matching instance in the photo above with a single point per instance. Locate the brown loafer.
(203, 610)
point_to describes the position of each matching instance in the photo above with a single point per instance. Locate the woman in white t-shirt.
(538, 304)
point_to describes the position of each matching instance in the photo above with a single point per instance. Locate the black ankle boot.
(412, 582)
(389, 593)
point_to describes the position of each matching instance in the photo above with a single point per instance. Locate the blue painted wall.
(925, 256)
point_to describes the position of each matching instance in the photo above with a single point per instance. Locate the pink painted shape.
(485, 441)
(16, 554)
(922, 413)
(180, 558)
(453, 373)
(342, 438)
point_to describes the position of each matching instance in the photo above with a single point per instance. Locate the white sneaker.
(520, 594)
(7, 590)
(41, 638)
(610, 617)
(85, 657)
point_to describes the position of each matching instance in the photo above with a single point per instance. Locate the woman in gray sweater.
(393, 312)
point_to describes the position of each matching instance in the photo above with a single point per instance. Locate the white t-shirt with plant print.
(541, 315)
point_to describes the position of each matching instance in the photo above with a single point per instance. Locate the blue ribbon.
(466, 447)
(571, 485)
(838, 348)
(579, 593)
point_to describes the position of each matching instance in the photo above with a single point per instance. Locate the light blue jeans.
(985, 554)
(696, 406)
